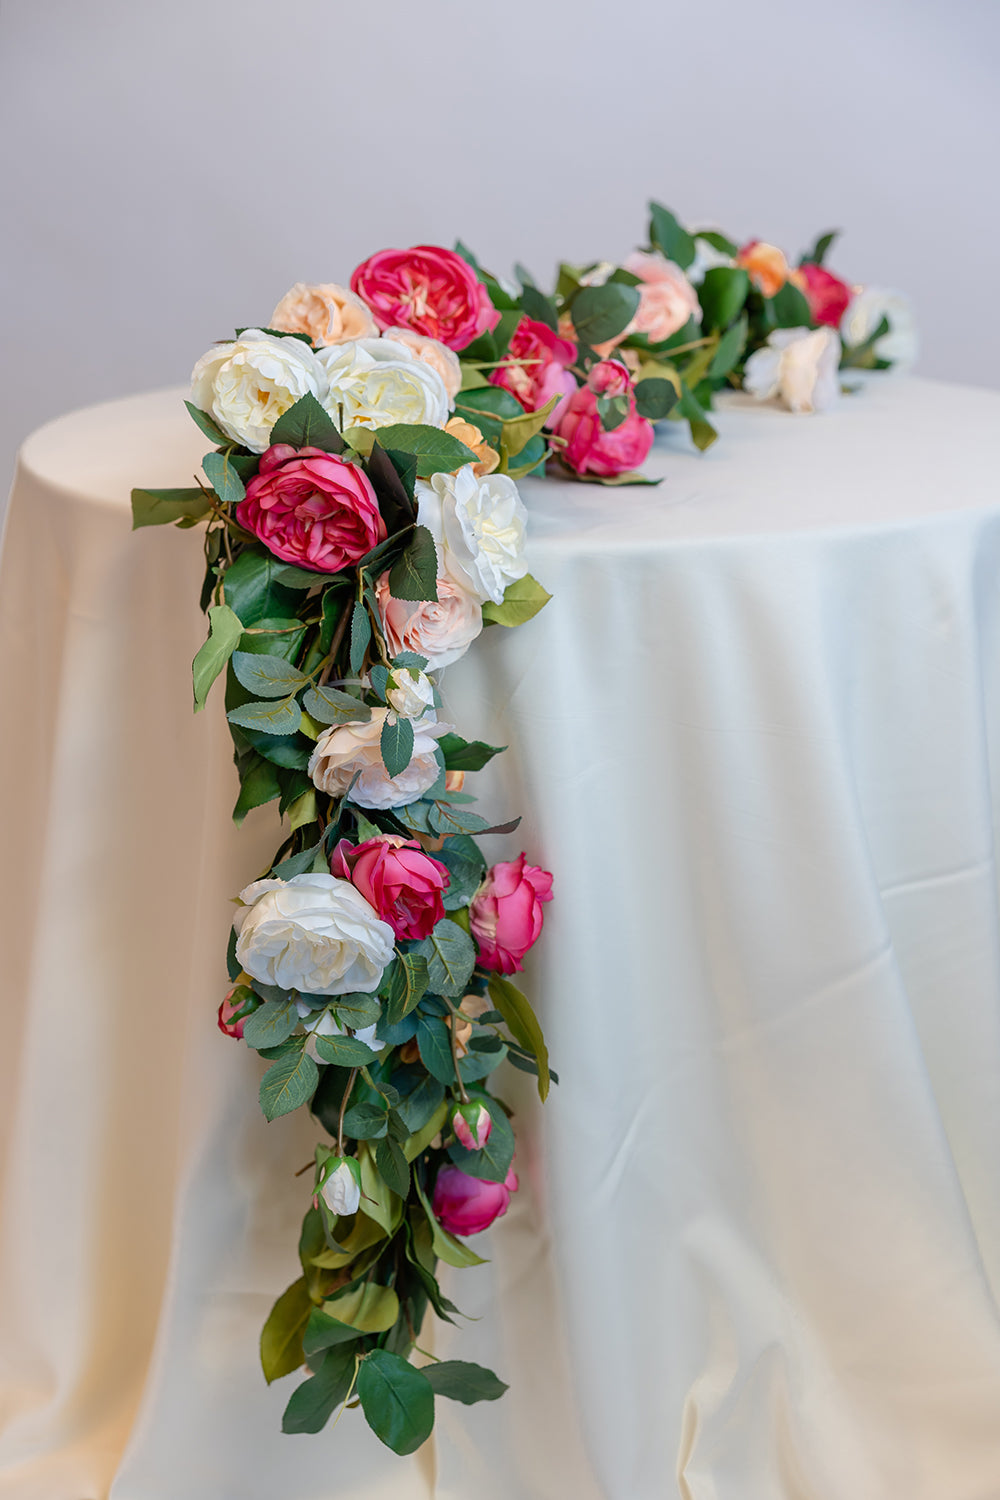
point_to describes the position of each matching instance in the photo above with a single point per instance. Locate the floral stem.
(343, 1110)
(462, 1094)
(338, 636)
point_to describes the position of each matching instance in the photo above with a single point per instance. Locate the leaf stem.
(462, 1094)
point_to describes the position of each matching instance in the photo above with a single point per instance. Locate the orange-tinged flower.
(766, 265)
(467, 433)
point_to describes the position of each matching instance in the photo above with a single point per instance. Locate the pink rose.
(505, 917)
(467, 1205)
(311, 508)
(667, 300)
(398, 879)
(428, 289)
(589, 449)
(534, 384)
(442, 631)
(240, 1003)
(827, 295)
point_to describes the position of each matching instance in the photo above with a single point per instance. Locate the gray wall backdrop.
(169, 169)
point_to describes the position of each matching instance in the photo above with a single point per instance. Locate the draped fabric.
(756, 737)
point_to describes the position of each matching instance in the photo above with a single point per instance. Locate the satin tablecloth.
(756, 1253)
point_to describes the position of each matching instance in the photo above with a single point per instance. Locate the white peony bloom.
(327, 1026)
(341, 1186)
(312, 933)
(347, 750)
(409, 693)
(478, 525)
(380, 381)
(865, 312)
(247, 385)
(798, 365)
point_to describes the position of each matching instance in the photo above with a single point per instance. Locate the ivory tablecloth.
(756, 1254)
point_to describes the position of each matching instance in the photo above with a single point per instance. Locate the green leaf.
(417, 1143)
(407, 984)
(731, 346)
(286, 750)
(460, 1380)
(301, 579)
(654, 398)
(540, 308)
(365, 1122)
(281, 1337)
(417, 1108)
(488, 408)
(414, 575)
(223, 478)
(394, 1166)
(396, 743)
(361, 634)
(435, 451)
(717, 241)
(451, 958)
(313, 1402)
(271, 1024)
(380, 1204)
(326, 1332)
(160, 507)
(267, 676)
(356, 1011)
(224, 631)
(517, 432)
(307, 425)
(343, 1051)
(274, 637)
(251, 588)
(363, 1308)
(210, 428)
(523, 1023)
(817, 255)
(330, 706)
(288, 1084)
(790, 308)
(258, 784)
(521, 601)
(722, 295)
(602, 312)
(667, 235)
(445, 1246)
(275, 716)
(466, 868)
(703, 434)
(467, 755)
(434, 1042)
(397, 1400)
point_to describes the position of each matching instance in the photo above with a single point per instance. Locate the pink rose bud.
(472, 1124)
(240, 1003)
(826, 294)
(428, 289)
(467, 1205)
(398, 879)
(536, 368)
(505, 917)
(311, 508)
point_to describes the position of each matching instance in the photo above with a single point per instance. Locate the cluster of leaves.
(282, 636)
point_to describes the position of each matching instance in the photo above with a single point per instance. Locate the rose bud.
(472, 1124)
(467, 1205)
(454, 781)
(408, 692)
(341, 1185)
(505, 917)
(238, 1004)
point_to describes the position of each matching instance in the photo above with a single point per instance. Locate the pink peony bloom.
(311, 508)
(472, 1124)
(534, 384)
(240, 1003)
(398, 879)
(427, 289)
(827, 295)
(505, 917)
(589, 448)
(467, 1205)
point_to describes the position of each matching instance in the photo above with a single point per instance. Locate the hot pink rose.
(429, 289)
(311, 508)
(826, 294)
(589, 448)
(467, 1205)
(505, 917)
(240, 1003)
(397, 878)
(535, 384)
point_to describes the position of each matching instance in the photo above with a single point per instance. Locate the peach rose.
(441, 631)
(667, 300)
(328, 313)
(433, 353)
(767, 267)
(487, 457)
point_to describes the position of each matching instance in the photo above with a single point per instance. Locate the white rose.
(433, 353)
(800, 366)
(341, 1187)
(327, 1026)
(379, 381)
(345, 750)
(478, 526)
(901, 345)
(409, 692)
(247, 385)
(312, 933)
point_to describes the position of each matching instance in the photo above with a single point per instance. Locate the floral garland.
(362, 527)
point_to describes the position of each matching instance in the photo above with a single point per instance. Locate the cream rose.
(478, 526)
(433, 353)
(409, 693)
(442, 630)
(667, 300)
(348, 750)
(247, 385)
(865, 312)
(379, 381)
(312, 933)
(328, 313)
(799, 366)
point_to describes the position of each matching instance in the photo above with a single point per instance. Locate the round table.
(756, 1253)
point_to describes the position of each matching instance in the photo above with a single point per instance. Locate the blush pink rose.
(467, 1205)
(240, 1003)
(667, 300)
(442, 630)
(427, 289)
(311, 508)
(589, 449)
(827, 295)
(505, 917)
(398, 879)
(546, 375)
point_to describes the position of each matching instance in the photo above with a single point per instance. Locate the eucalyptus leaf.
(654, 398)
(602, 312)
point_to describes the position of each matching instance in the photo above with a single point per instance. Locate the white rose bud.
(409, 693)
(379, 381)
(345, 750)
(478, 526)
(799, 365)
(247, 385)
(312, 933)
(341, 1187)
(327, 1026)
